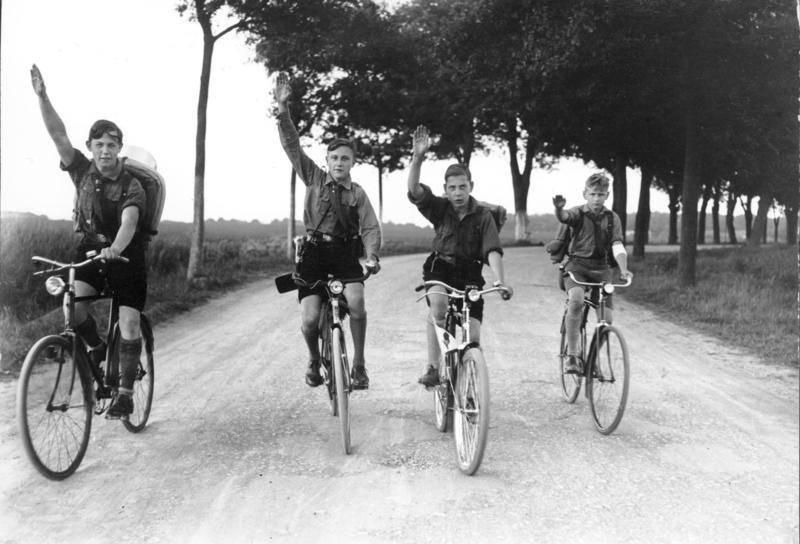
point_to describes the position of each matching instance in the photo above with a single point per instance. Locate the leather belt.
(322, 237)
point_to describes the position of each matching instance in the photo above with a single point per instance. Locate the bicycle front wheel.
(341, 378)
(143, 384)
(471, 410)
(570, 383)
(54, 407)
(608, 379)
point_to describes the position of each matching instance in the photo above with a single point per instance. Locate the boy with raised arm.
(466, 239)
(107, 218)
(336, 211)
(590, 256)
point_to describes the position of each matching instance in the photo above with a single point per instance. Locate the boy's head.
(596, 190)
(104, 143)
(340, 158)
(458, 185)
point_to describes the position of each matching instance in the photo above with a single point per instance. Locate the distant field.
(238, 251)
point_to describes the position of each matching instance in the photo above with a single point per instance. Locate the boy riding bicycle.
(466, 239)
(108, 207)
(596, 242)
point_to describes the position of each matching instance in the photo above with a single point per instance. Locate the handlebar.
(59, 266)
(312, 285)
(599, 284)
(452, 292)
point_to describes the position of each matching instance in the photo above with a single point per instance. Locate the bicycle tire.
(144, 382)
(570, 383)
(55, 402)
(471, 411)
(341, 378)
(608, 379)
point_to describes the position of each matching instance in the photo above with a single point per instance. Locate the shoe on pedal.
(572, 365)
(121, 406)
(359, 378)
(430, 378)
(313, 377)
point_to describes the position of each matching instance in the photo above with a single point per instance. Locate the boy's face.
(457, 190)
(340, 161)
(105, 151)
(595, 197)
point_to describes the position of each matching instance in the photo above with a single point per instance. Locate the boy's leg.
(310, 307)
(436, 314)
(130, 351)
(573, 326)
(354, 292)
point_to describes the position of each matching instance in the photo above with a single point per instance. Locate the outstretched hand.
(282, 89)
(559, 201)
(37, 81)
(422, 141)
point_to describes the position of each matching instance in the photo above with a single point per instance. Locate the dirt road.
(239, 449)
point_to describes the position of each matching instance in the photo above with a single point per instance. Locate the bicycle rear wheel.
(471, 411)
(608, 379)
(143, 384)
(54, 407)
(342, 380)
(570, 383)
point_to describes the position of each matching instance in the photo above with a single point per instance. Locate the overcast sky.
(137, 62)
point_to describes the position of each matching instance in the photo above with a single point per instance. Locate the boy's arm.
(290, 139)
(52, 122)
(130, 218)
(421, 145)
(559, 202)
(495, 259)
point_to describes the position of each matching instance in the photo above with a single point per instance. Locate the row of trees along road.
(699, 95)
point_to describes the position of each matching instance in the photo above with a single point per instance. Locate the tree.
(202, 11)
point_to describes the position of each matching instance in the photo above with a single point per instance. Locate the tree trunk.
(729, 217)
(674, 208)
(701, 219)
(776, 221)
(520, 180)
(715, 212)
(791, 224)
(687, 254)
(759, 230)
(195, 268)
(380, 194)
(747, 206)
(620, 205)
(640, 233)
(291, 229)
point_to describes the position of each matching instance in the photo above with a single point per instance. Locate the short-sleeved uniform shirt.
(461, 246)
(588, 248)
(99, 201)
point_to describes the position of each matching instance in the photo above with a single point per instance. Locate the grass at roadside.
(745, 296)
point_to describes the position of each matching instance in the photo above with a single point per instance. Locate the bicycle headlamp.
(336, 287)
(608, 288)
(54, 285)
(473, 295)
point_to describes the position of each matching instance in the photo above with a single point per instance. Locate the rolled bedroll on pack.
(141, 164)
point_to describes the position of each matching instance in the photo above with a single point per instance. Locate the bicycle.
(606, 368)
(334, 362)
(461, 400)
(60, 388)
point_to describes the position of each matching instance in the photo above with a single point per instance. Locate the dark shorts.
(127, 282)
(323, 258)
(589, 274)
(457, 275)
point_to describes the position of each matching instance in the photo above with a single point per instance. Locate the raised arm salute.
(338, 217)
(52, 122)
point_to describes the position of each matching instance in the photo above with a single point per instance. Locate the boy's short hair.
(598, 180)
(457, 169)
(336, 143)
(104, 126)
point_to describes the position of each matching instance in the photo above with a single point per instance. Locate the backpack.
(498, 213)
(558, 248)
(154, 187)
